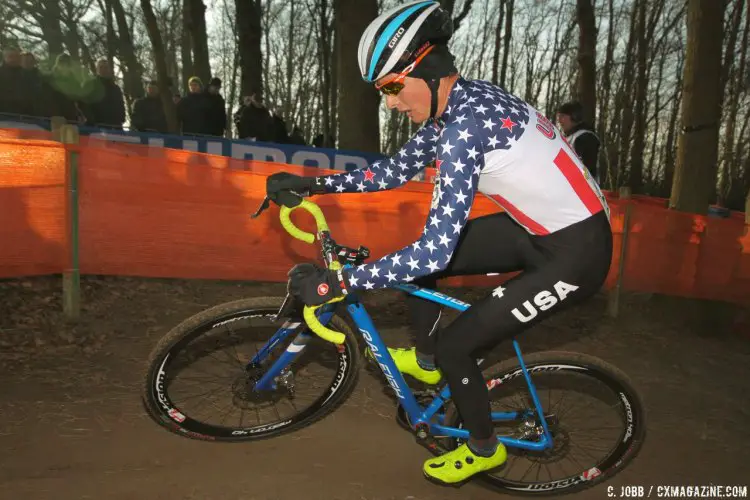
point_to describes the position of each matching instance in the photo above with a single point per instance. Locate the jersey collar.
(454, 100)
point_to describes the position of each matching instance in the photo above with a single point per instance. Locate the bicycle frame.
(418, 416)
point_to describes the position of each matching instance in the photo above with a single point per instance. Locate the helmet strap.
(433, 84)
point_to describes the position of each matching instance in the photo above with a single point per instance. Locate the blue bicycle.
(266, 366)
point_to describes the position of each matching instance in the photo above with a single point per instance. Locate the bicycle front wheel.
(201, 383)
(596, 418)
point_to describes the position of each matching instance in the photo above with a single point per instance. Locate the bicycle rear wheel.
(210, 353)
(577, 393)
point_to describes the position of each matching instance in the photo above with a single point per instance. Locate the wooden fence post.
(56, 125)
(614, 296)
(71, 274)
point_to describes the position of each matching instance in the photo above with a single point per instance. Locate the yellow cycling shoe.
(460, 464)
(406, 362)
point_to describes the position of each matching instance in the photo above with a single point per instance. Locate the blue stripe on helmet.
(388, 33)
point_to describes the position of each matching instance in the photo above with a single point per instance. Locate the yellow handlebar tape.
(309, 311)
(289, 226)
(320, 330)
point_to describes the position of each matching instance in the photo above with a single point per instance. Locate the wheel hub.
(560, 439)
(244, 394)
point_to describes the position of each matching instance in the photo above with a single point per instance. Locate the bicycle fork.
(268, 380)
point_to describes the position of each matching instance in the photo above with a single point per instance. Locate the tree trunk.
(51, 28)
(132, 69)
(669, 160)
(265, 29)
(695, 174)
(731, 37)
(199, 38)
(251, 56)
(185, 46)
(626, 127)
(290, 63)
(358, 101)
(161, 64)
(392, 145)
(641, 87)
(651, 175)
(71, 41)
(450, 5)
(506, 48)
(324, 55)
(498, 43)
(110, 36)
(587, 59)
(731, 174)
(334, 99)
(604, 175)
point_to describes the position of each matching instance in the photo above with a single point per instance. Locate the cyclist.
(554, 226)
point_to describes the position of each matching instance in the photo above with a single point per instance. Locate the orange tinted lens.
(392, 88)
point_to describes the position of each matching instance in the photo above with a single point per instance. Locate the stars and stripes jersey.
(487, 141)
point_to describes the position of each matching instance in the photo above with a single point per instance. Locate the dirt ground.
(72, 425)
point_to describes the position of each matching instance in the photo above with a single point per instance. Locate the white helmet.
(389, 43)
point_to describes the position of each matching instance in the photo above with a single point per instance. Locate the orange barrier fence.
(158, 212)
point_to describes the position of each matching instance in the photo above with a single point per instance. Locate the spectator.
(280, 133)
(318, 141)
(104, 102)
(580, 135)
(35, 84)
(253, 120)
(15, 97)
(148, 112)
(217, 119)
(194, 109)
(297, 137)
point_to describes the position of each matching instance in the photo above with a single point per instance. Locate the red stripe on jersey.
(580, 185)
(521, 217)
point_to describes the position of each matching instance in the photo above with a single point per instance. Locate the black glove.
(288, 189)
(314, 285)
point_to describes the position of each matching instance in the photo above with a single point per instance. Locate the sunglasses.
(396, 84)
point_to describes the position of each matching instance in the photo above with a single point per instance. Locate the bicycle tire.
(162, 411)
(556, 361)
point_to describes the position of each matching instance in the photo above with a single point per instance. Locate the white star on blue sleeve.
(388, 173)
(458, 170)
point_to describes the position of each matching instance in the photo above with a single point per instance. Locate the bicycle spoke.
(587, 416)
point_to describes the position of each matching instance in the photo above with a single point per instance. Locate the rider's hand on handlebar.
(288, 189)
(314, 285)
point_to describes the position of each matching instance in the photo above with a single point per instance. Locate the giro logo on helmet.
(395, 38)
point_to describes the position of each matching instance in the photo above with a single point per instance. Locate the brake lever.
(263, 206)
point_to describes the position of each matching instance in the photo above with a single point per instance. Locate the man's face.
(213, 89)
(152, 90)
(28, 61)
(566, 123)
(103, 69)
(195, 87)
(414, 99)
(12, 57)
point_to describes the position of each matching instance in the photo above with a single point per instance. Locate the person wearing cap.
(553, 228)
(194, 109)
(580, 135)
(148, 111)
